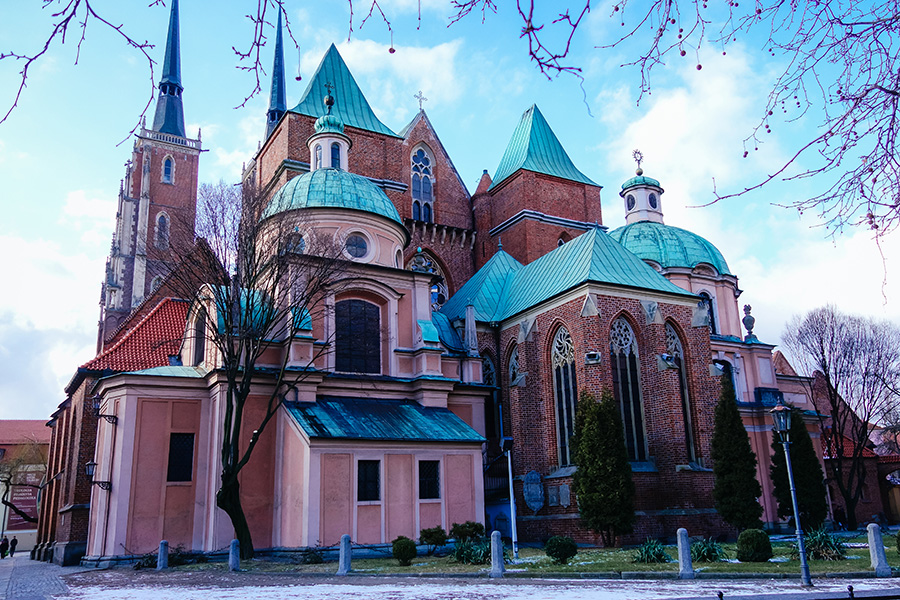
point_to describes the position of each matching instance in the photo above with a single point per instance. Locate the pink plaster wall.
(429, 515)
(293, 483)
(464, 412)
(336, 498)
(400, 508)
(460, 493)
(258, 476)
(368, 524)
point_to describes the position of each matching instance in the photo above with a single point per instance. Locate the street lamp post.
(781, 414)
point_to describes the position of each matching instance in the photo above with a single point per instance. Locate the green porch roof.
(534, 147)
(383, 420)
(350, 104)
(591, 257)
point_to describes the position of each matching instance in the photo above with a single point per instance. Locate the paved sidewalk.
(24, 579)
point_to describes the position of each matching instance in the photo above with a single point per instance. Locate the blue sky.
(60, 163)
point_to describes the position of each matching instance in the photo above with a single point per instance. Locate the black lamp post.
(781, 414)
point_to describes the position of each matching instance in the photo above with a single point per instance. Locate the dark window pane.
(426, 213)
(417, 211)
(357, 336)
(426, 189)
(368, 485)
(416, 187)
(429, 480)
(200, 338)
(181, 457)
(335, 155)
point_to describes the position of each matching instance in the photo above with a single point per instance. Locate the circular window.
(356, 245)
(629, 202)
(653, 202)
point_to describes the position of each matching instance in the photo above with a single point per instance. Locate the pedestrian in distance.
(4, 547)
(12, 546)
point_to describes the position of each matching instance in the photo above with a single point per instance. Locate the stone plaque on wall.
(565, 495)
(552, 495)
(533, 490)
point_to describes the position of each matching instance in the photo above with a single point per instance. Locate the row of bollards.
(685, 565)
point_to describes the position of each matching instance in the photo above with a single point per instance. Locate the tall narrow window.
(335, 155)
(181, 457)
(562, 357)
(708, 301)
(199, 337)
(514, 374)
(357, 339)
(491, 406)
(317, 163)
(167, 171)
(368, 481)
(627, 388)
(675, 349)
(422, 186)
(429, 480)
(162, 231)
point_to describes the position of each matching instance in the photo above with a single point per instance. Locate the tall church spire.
(169, 110)
(278, 96)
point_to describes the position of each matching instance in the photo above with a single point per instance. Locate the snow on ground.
(485, 590)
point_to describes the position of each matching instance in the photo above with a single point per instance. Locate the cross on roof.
(329, 87)
(421, 98)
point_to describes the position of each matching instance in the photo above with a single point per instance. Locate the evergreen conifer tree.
(808, 476)
(602, 483)
(736, 489)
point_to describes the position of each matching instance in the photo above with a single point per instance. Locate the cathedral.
(459, 347)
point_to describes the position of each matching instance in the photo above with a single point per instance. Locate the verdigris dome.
(639, 180)
(332, 188)
(329, 124)
(669, 246)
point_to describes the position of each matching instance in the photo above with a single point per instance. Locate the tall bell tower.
(157, 201)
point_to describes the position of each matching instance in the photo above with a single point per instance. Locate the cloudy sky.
(62, 150)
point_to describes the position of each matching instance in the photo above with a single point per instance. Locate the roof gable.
(534, 147)
(350, 103)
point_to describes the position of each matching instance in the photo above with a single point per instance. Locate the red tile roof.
(20, 432)
(149, 344)
(848, 448)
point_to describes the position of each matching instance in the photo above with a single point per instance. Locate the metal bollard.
(685, 564)
(234, 556)
(162, 558)
(346, 555)
(497, 566)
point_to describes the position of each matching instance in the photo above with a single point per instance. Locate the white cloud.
(91, 214)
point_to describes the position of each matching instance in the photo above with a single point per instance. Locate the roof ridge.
(131, 332)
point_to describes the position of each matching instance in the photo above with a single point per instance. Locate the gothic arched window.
(167, 170)
(357, 337)
(488, 371)
(317, 164)
(199, 338)
(707, 300)
(335, 155)
(423, 263)
(162, 231)
(422, 186)
(627, 386)
(491, 406)
(565, 392)
(675, 349)
(513, 370)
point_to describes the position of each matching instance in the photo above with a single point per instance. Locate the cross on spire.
(329, 86)
(421, 98)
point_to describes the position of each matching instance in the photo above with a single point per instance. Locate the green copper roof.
(350, 104)
(640, 180)
(669, 246)
(172, 62)
(383, 420)
(328, 124)
(447, 333)
(591, 257)
(485, 290)
(534, 147)
(332, 188)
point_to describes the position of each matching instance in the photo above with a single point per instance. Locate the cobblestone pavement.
(24, 579)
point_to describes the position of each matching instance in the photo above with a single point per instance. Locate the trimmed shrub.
(404, 550)
(469, 530)
(561, 549)
(651, 551)
(473, 552)
(821, 545)
(707, 550)
(433, 537)
(753, 545)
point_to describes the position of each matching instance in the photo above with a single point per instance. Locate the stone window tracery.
(514, 366)
(422, 186)
(161, 240)
(675, 349)
(565, 391)
(627, 387)
(707, 300)
(488, 371)
(423, 263)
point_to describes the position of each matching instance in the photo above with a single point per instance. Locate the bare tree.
(854, 366)
(23, 466)
(264, 279)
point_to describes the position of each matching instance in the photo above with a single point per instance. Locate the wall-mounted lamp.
(96, 400)
(89, 469)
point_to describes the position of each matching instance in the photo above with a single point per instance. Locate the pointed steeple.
(534, 147)
(169, 110)
(353, 108)
(278, 95)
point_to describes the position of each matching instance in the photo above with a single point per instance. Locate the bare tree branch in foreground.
(854, 366)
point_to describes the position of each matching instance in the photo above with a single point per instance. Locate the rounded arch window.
(629, 202)
(627, 386)
(317, 164)
(422, 179)
(654, 202)
(565, 392)
(335, 155)
(423, 263)
(357, 336)
(168, 170)
(295, 243)
(356, 245)
(162, 231)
